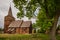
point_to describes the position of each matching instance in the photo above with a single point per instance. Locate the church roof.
(26, 24)
(20, 23)
(16, 23)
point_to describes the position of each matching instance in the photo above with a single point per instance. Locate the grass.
(26, 37)
(58, 37)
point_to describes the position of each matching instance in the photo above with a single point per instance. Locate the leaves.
(20, 15)
(48, 8)
(43, 21)
(25, 5)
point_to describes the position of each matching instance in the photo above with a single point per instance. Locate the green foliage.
(43, 21)
(57, 4)
(48, 9)
(34, 25)
(49, 6)
(25, 5)
(1, 29)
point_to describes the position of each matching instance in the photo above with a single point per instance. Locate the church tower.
(8, 19)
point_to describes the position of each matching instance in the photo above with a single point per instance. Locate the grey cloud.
(4, 7)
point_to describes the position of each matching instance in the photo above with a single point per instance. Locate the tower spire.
(10, 11)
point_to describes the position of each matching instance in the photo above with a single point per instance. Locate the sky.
(4, 7)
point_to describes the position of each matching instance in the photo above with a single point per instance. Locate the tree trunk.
(53, 28)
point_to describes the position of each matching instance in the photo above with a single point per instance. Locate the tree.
(51, 9)
(43, 22)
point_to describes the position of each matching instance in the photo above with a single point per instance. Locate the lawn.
(26, 37)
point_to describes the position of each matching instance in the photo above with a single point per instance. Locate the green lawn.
(26, 37)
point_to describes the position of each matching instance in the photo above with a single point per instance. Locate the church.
(13, 26)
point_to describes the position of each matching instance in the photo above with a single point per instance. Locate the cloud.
(4, 8)
(4, 4)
